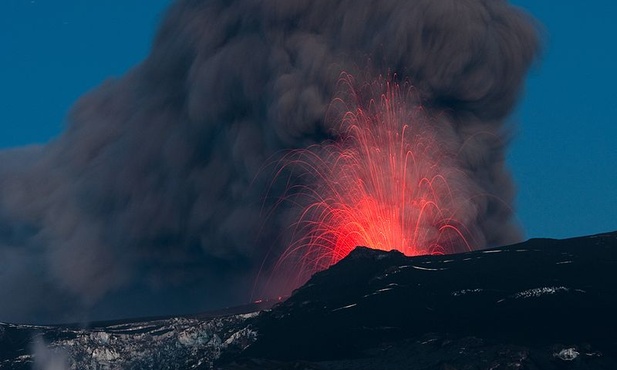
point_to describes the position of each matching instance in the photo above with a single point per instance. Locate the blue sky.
(55, 51)
(563, 155)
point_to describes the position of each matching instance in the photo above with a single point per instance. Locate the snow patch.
(100, 337)
(242, 338)
(345, 307)
(246, 316)
(567, 354)
(105, 355)
(428, 269)
(537, 292)
(383, 290)
(144, 345)
(459, 293)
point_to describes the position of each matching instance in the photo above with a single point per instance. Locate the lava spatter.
(386, 181)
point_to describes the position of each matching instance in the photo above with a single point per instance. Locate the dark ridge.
(536, 293)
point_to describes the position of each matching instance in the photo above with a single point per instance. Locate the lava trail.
(389, 181)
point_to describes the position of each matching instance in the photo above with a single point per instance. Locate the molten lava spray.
(388, 182)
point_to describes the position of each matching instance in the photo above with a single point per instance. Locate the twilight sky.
(563, 154)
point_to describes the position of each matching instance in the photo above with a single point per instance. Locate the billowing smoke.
(153, 199)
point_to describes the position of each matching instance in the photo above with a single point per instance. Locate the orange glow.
(383, 183)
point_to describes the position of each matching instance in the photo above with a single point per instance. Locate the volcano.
(541, 304)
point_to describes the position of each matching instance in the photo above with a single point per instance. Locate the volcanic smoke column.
(152, 199)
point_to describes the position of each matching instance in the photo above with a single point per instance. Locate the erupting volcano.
(162, 194)
(386, 182)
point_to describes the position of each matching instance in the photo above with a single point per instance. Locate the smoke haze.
(153, 199)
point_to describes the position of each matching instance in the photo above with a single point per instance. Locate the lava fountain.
(387, 181)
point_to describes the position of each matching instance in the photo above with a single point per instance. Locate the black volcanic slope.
(542, 304)
(555, 300)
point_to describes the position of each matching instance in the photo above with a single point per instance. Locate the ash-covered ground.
(542, 304)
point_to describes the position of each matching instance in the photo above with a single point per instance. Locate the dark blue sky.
(563, 154)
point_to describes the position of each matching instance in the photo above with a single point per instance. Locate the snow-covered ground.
(182, 343)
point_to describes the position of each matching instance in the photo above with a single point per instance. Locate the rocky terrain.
(542, 304)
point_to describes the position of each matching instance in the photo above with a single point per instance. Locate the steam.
(155, 191)
(48, 358)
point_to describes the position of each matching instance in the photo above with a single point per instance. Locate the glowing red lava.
(386, 183)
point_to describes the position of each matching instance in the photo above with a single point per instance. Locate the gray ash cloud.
(152, 199)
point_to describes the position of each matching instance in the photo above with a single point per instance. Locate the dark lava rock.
(544, 303)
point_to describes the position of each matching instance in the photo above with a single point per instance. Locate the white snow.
(105, 354)
(345, 307)
(537, 292)
(428, 269)
(459, 293)
(140, 345)
(242, 335)
(246, 316)
(100, 337)
(567, 354)
(493, 251)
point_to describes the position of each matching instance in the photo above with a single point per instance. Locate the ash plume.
(153, 199)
